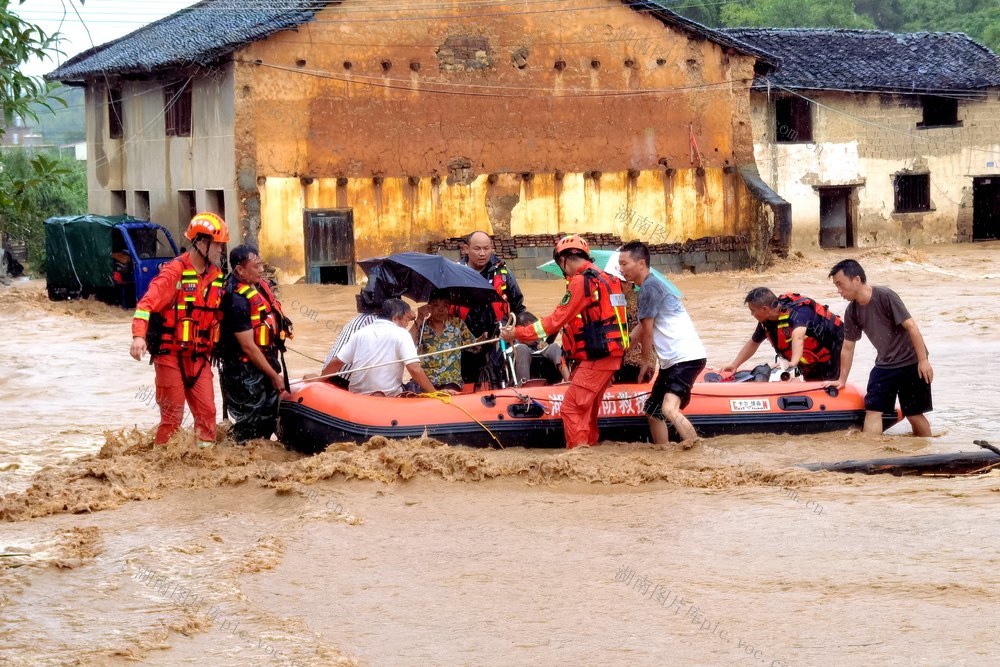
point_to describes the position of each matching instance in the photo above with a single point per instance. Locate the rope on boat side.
(445, 398)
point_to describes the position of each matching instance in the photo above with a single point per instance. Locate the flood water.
(413, 553)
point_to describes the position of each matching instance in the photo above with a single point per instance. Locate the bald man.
(484, 319)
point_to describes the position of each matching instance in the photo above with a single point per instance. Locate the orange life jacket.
(501, 308)
(814, 351)
(269, 325)
(601, 329)
(191, 325)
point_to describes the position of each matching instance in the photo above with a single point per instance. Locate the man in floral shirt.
(436, 329)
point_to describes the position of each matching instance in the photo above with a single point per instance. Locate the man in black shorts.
(667, 328)
(901, 364)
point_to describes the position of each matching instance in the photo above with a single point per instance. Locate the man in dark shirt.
(252, 339)
(805, 333)
(483, 319)
(901, 365)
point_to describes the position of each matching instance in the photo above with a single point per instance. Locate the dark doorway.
(836, 226)
(986, 208)
(329, 237)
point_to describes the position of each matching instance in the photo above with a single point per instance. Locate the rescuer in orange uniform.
(596, 340)
(177, 322)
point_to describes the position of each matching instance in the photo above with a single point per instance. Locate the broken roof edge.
(862, 32)
(763, 84)
(207, 57)
(94, 50)
(718, 36)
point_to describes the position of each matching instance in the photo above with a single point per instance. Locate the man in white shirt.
(665, 326)
(383, 342)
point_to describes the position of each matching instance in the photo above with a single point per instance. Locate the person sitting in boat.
(597, 341)
(666, 328)
(800, 329)
(368, 305)
(546, 348)
(484, 319)
(380, 352)
(438, 330)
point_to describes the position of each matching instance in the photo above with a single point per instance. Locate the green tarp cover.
(78, 251)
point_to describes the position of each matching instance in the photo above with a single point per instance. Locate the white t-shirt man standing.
(667, 327)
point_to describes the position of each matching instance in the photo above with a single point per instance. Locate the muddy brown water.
(412, 553)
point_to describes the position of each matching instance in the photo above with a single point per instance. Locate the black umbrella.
(416, 275)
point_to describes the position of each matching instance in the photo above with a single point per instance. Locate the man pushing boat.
(595, 333)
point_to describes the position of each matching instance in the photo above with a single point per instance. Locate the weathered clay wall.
(145, 159)
(864, 140)
(528, 122)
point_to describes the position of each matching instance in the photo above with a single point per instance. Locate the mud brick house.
(879, 138)
(333, 131)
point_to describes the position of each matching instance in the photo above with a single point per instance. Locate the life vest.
(268, 323)
(825, 327)
(600, 330)
(501, 308)
(191, 325)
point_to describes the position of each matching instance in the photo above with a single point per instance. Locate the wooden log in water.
(961, 463)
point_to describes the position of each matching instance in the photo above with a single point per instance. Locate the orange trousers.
(171, 394)
(582, 400)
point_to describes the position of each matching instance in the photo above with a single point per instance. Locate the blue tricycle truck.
(112, 258)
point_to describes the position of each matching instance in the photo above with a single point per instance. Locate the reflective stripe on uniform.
(141, 315)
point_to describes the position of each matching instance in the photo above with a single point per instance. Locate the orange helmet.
(571, 242)
(210, 225)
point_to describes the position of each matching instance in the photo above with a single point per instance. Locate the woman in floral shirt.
(437, 330)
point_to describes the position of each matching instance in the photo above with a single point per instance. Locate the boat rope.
(561, 399)
(445, 398)
(303, 354)
(390, 363)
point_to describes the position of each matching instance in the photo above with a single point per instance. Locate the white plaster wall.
(146, 159)
(863, 140)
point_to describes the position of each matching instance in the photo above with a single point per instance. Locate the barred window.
(177, 109)
(913, 192)
(116, 123)
(792, 120)
(939, 111)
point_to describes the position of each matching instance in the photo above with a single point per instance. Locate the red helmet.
(210, 225)
(571, 242)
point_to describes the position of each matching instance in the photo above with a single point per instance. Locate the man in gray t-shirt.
(901, 365)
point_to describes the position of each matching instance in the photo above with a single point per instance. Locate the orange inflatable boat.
(319, 413)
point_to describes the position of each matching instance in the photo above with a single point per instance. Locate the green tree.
(37, 186)
(705, 12)
(31, 185)
(979, 19)
(795, 14)
(20, 42)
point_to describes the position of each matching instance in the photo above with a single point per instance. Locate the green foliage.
(33, 186)
(36, 186)
(795, 14)
(979, 19)
(20, 42)
(65, 125)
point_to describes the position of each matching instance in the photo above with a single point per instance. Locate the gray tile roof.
(205, 32)
(874, 60)
(660, 10)
(197, 35)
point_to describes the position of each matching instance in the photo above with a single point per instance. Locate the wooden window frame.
(177, 109)
(911, 193)
(116, 113)
(795, 116)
